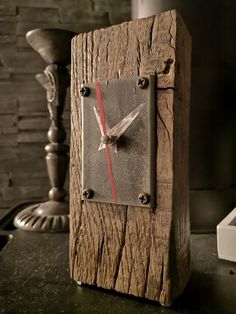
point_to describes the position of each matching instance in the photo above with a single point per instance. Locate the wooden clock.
(129, 215)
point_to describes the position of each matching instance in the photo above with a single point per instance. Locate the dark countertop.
(34, 278)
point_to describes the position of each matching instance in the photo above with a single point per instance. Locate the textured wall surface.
(23, 111)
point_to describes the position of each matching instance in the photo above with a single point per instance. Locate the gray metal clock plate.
(134, 164)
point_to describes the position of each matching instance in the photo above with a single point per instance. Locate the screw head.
(144, 198)
(142, 82)
(84, 91)
(87, 193)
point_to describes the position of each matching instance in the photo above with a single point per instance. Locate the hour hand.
(123, 125)
(113, 134)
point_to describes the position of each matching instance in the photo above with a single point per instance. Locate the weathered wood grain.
(136, 250)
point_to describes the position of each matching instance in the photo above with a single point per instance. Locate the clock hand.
(99, 122)
(114, 133)
(105, 138)
(107, 152)
(123, 125)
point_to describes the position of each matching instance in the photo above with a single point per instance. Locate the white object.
(144, 8)
(226, 237)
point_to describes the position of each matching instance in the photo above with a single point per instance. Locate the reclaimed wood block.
(136, 250)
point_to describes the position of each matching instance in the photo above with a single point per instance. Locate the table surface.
(34, 278)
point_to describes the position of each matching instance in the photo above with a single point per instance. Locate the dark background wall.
(212, 25)
(23, 111)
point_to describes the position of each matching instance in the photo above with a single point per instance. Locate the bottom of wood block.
(164, 299)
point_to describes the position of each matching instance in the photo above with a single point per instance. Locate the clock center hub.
(106, 139)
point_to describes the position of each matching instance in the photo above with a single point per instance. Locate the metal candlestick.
(52, 216)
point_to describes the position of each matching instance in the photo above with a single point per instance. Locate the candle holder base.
(50, 216)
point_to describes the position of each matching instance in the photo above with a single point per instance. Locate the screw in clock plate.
(142, 82)
(84, 91)
(88, 193)
(144, 198)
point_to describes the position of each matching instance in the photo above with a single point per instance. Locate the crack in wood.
(99, 259)
(151, 35)
(147, 272)
(122, 245)
(170, 31)
(138, 58)
(165, 126)
(168, 64)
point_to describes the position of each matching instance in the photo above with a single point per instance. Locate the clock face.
(119, 141)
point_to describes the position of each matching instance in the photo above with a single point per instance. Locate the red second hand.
(108, 157)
